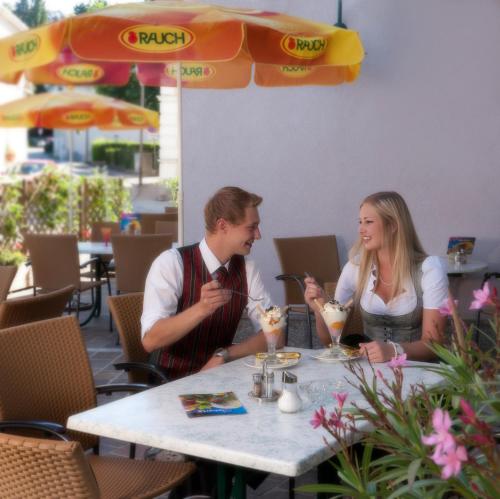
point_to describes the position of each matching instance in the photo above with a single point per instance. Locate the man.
(195, 295)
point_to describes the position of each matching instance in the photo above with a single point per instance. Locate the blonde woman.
(397, 287)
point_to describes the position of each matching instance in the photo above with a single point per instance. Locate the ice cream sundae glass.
(272, 320)
(335, 315)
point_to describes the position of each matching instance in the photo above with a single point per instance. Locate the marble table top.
(94, 248)
(471, 267)
(264, 439)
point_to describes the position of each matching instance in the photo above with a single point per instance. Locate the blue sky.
(66, 6)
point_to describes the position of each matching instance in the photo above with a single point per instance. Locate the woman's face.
(371, 229)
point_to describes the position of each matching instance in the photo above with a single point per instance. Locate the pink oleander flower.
(469, 416)
(319, 417)
(442, 438)
(451, 460)
(482, 297)
(340, 397)
(335, 420)
(399, 361)
(447, 306)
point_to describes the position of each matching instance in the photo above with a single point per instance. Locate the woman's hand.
(313, 292)
(377, 351)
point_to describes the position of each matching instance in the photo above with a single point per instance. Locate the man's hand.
(213, 362)
(313, 292)
(213, 296)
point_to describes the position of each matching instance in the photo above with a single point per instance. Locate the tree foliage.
(31, 12)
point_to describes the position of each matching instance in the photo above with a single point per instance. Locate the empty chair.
(41, 468)
(133, 258)
(56, 264)
(34, 308)
(46, 375)
(316, 255)
(7, 274)
(167, 228)
(148, 220)
(126, 311)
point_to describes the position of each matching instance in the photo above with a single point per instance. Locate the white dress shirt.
(165, 281)
(434, 287)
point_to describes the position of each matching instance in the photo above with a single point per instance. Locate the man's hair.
(229, 203)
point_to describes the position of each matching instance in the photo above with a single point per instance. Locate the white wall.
(14, 138)
(423, 119)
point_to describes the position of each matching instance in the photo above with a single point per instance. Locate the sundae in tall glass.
(335, 315)
(272, 321)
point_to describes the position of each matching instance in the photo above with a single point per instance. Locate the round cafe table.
(459, 269)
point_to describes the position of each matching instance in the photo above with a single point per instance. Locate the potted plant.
(438, 442)
(10, 259)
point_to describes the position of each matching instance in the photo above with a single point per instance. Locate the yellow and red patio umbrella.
(188, 44)
(217, 47)
(72, 110)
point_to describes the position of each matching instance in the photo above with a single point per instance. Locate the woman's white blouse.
(434, 287)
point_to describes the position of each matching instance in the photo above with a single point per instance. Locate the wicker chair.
(56, 264)
(41, 468)
(166, 227)
(133, 258)
(126, 311)
(46, 375)
(34, 308)
(7, 274)
(316, 255)
(148, 220)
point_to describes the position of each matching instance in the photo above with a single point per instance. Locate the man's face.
(240, 237)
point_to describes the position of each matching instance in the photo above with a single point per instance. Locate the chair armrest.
(49, 427)
(91, 260)
(143, 366)
(292, 277)
(122, 387)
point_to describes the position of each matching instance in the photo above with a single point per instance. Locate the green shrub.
(11, 257)
(119, 154)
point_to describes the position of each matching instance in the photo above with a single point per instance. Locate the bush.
(120, 154)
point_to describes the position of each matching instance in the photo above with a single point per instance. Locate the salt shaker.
(289, 400)
(267, 381)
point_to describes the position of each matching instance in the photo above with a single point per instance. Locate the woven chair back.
(34, 308)
(167, 227)
(316, 255)
(126, 311)
(45, 374)
(41, 468)
(55, 260)
(7, 274)
(133, 258)
(148, 220)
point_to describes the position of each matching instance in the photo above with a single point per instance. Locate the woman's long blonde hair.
(399, 234)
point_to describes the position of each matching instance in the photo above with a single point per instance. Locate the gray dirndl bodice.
(401, 328)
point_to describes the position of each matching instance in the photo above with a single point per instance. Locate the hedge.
(120, 154)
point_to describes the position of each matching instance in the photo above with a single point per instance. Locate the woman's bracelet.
(398, 349)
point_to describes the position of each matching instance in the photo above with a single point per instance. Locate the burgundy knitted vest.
(190, 353)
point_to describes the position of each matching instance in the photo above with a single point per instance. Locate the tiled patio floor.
(104, 352)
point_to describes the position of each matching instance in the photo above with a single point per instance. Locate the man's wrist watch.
(222, 352)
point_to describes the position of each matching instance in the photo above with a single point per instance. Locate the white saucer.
(322, 356)
(257, 364)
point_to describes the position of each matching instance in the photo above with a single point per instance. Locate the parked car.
(32, 167)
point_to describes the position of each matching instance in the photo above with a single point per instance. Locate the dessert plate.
(348, 354)
(285, 359)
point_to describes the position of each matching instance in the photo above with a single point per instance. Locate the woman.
(397, 287)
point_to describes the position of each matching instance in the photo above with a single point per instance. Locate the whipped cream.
(273, 320)
(334, 314)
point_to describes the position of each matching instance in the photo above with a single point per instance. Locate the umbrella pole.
(141, 137)
(180, 194)
(70, 185)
